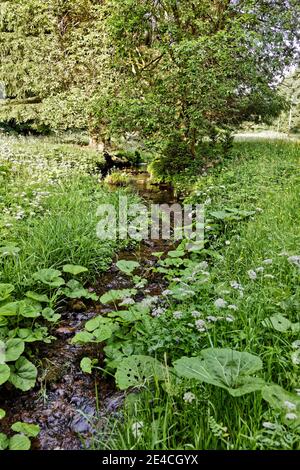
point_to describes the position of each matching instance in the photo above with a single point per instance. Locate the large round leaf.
(136, 370)
(223, 368)
(9, 309)
(5, 291)
(4, 373)
(74, 269)
(14, 348)
(23, 374)
(19, 442)
(30, 430)
(127, 266)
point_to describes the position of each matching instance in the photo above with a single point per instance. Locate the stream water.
(63, 402)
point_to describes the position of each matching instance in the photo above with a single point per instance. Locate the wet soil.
(63, 403)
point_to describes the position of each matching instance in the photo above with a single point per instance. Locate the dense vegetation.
(209, 358)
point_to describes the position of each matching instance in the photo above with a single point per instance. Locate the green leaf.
(4, 373)
(29, 310)
(14, 348)
(96, 322)
(9, 310)
(30, 430)
(4, 441)
(102, 334)
(2, 413)
(278, 322)
(127, 266)
(83, 337)
(74, 269)
(50, 315)
(75, 290)
(23, 374)
(50, 277)
(134, 371)
(176, 254)
(286, 402)
(86, 365)
(19, 442)
(5, 291)
(114, 295)
(223, 368)
(37, 297)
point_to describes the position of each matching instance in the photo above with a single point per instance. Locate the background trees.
(176, 73)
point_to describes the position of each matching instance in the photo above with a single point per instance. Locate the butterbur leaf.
(14, 348)
(2, 413)
(127, 266)
(102, 334)
(50, 277)
(50, 315)
(23, 374)
(278, 322)
(28, 309)
(5, 291)
(83, 337)
(9, 309)
(9, 250)
(114, 295)
(86, 365)
(43, 298)
(176, 254)
(223, 368)
(4, 373)
(30, 430)
(96, 322)
(19, 442)
(134, 371)
(74, 269)
(75, 290)
(4, 441)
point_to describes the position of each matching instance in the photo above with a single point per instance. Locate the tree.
(51, 57)
(187, 70)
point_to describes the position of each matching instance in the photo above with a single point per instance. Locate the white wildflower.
(211, 318)
(269, 425)
(291, 416)
(196, 314)
(137, 429)
(236, 285)
(294, 260)
(200, 325)
(227, 242)
(167, 292)
(252, 274)
(189, 397)
(268, 261)
(297, 390)
(260, 269)
(296, 344)
(220, 303)
(232, 307)
(229, 319)
(269, 276)
(157, 312)
(289, 405)
(177, 315)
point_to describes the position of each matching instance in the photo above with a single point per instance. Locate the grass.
(262, 177)
(49, 196)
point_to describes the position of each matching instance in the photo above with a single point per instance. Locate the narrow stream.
(64, 397)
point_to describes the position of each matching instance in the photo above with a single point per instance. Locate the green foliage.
(19, 441)
(137, 371)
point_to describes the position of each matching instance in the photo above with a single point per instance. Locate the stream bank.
(64, 399)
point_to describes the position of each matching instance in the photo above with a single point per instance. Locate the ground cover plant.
(217, 365)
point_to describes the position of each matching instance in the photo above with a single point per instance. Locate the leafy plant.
(135, 371)
(20, 441)
(127, 266)
(225, 368)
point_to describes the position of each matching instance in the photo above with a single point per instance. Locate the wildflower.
(269, 425)
(297, 390)
(211, 318)
(167, 292)
(294, 260)
(289, 405)
(268, 261)
(296, 344)
(229, 319)
(189, 397)
(148, 301)
(269, 276)
(252, 275)
(227, 242)
(220, 303)
(260, 269)
(177, 315)
(259, 209)
(196, 314)
(236, 285)
(291, 416)
(137, 429)
(203, 265)
(200, 325)
(232, 307)
(157, 312)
